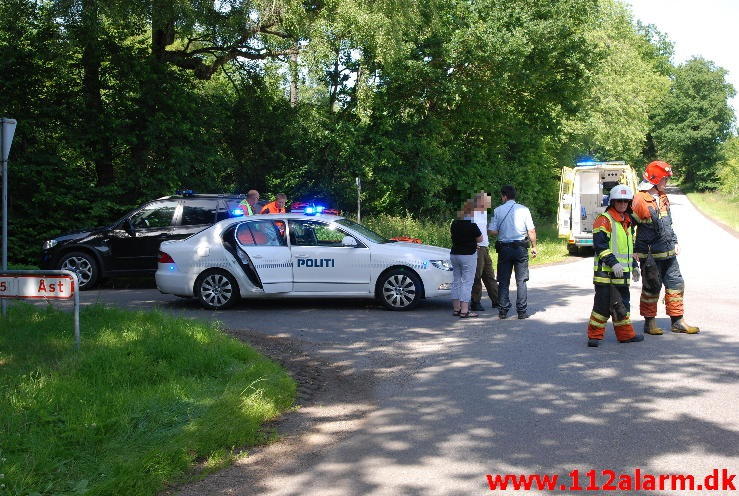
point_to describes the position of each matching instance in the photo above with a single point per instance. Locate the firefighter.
(277, 206)
(655, 237)
(613, 266)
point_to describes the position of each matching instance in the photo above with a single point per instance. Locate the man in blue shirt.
(513, 226)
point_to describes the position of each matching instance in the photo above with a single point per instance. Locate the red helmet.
(656, 171)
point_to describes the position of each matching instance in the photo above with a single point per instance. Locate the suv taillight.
(165, 258)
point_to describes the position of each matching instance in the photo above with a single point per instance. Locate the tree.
(628, 81)
(694, 119)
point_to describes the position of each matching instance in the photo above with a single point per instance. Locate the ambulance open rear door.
(564, 210)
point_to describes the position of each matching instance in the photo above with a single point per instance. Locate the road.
(453, 400)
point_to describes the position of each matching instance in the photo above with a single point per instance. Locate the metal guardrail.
(42, 275)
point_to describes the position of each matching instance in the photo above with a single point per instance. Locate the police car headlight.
(441, 264)
(50, 243)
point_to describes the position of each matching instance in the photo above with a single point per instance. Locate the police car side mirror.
(348, 241)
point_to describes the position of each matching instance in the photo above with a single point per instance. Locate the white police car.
(300, 255)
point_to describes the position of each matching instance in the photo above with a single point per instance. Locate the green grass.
(15, 266)
(550, 248)
(146, 398)
(719, 206)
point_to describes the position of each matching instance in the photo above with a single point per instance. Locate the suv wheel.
(399, 289)
(84, 265)
(216, 290)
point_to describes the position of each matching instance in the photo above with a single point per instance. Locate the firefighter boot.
(650, 327)
(682, 326)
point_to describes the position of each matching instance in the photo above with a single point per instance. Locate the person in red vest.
(277, 206)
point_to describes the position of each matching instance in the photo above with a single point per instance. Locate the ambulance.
(583, 195)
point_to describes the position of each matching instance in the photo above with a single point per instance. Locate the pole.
(76, 309)
(359, 200)
(5, 205)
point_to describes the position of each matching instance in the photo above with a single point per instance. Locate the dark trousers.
(512, 257)
(672, 279)
(484, 275)
(602, 300)
(602, 311)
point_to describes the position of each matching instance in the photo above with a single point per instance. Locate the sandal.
(467, 315)
(456, 313)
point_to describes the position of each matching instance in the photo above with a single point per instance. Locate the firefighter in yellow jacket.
(613, 267)
(655, 236)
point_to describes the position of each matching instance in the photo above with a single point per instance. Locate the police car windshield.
(362, 230)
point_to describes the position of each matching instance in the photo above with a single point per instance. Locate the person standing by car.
(657, 241)
(614, 266)
(485, 272)
(513, 226)
(249, 204)
(465, 236)
(277, 206)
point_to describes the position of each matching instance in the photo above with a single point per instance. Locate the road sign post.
(6, 139)
(43, 285)
(359, 200)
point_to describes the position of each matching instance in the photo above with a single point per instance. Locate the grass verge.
(146, 397)
(550, 249)
(719, 206)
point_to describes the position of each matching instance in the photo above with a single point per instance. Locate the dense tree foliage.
(694, 119)
(119, 102)
(628, 81)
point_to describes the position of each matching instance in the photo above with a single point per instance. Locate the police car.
(300, 255)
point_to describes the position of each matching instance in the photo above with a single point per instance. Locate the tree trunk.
(334, 79)
(149, 102)
(294, 76)
(98, 135)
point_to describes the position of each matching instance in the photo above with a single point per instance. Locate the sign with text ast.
(36, 287)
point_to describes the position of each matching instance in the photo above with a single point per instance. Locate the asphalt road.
(454, 400)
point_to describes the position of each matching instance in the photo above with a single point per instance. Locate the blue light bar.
(309, 210)
(319, 209)
(236, 212)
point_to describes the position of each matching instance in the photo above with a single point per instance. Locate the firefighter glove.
(636, 275)
(618, 270)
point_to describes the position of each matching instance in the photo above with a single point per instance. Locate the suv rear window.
(198, 212)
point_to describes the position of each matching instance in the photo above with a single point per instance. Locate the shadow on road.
(465, 399)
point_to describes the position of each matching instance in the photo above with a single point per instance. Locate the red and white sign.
(36, 287)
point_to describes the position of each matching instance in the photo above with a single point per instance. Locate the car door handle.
(257, 256)
(301, 256)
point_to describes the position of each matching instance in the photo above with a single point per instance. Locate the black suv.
(130, 246)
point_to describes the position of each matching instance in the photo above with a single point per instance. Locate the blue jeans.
(512, 257)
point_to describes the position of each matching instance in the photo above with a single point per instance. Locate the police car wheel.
(399, 289)
(216, 289)
(82, 264)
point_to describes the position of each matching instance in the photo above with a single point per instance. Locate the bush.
(728, 168)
